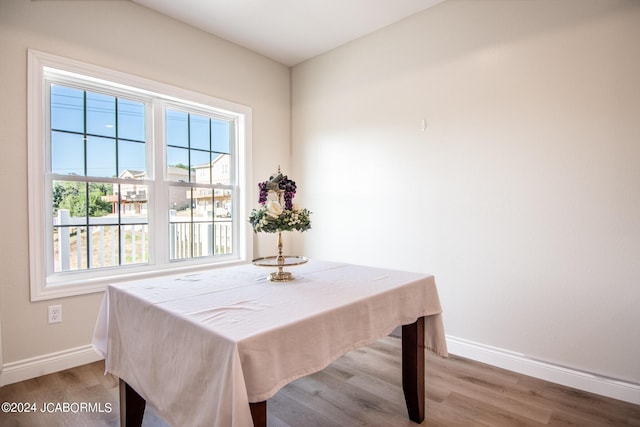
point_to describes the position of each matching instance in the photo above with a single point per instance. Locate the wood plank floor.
(362, 388)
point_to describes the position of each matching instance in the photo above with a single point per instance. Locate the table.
(201, 347)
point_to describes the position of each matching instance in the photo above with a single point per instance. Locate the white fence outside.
(72, 245)
(207, 238)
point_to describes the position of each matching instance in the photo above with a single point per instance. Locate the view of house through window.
(129, 177)
(200, 198)
(100, 190)
(100, 212)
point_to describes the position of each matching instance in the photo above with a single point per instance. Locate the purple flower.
(263, 193)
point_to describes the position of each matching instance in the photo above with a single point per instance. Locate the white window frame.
(46, 286)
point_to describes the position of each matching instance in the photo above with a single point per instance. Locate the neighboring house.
(175, 173)
(133, 197)
(216, 172)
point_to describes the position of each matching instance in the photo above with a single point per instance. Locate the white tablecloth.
(199, 347)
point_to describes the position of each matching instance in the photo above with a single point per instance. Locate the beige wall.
(523, 194)
(123, 36)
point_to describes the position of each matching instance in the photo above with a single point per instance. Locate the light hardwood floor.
(362, 388)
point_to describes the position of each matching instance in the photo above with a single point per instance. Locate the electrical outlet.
(55, 314)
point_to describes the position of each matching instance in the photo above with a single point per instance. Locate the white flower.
(274, 209)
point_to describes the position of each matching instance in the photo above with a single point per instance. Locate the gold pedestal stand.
(280, 261)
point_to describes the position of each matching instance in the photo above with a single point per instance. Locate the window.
(97, 146)
(198, 155)
(129, 177)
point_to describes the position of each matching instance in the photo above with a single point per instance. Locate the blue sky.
(188, 135)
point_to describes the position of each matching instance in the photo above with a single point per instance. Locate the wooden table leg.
(259, 413)
(131, 406)
(413, 368)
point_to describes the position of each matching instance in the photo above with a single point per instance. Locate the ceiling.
(289, 31)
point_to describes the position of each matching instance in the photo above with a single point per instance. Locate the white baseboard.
(46, 364)
(516, 362)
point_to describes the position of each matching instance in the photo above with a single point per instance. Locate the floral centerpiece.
(278, 212)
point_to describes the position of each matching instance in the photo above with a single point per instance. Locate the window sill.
(67, 287)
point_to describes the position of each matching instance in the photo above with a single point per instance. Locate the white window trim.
(96, 282)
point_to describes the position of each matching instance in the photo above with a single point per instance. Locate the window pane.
(179, 204)
(202, 239)
(131, 120)
(101, 114)
(132, 158)
(192, 232)
(200, 166)
(220, 136)
(179, 240)
(67, 109)
(69, 248)
(103, 209)
(221, 169)
(69, 203)
(203, 204)
(134, 204)
(177, 128)
(223, 237)
(180, 222)
(101, 157)
(199, 132)
(67, 153)
(104, 246)
(222, 203)
(135, 219)
(223, 225)
(135, 244)
(178, 164)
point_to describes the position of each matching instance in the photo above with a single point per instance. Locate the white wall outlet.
(55, 314)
